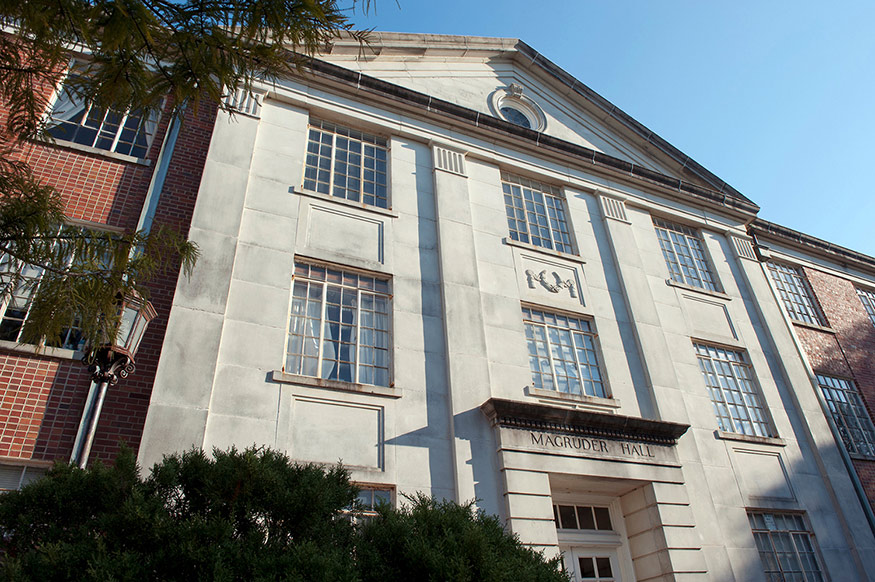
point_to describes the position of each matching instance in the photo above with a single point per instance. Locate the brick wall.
(846, 353)
(43, 397)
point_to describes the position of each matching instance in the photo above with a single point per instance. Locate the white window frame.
(772, 534)
(796, 294)
(546, 363)
(685, 255)
(536, 213)
(740, 409)
(54, 120)
(322, 180)
(849, 414)
(301, 323)
(868, 300)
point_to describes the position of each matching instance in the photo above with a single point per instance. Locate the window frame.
(797, 296)
(867, 298)
(794, 535)
(831, 386)
(6, 301)
(696, 256)
(381, 288)
(60, 94)
(593, 348)
(553, 201)
(335, 130)
(726, 421)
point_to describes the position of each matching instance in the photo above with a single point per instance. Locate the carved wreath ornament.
(554, 287)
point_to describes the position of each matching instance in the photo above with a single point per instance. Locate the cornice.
(617, 168)
(763, 230)
(527, 415)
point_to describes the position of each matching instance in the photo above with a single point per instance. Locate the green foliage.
(240, 515)
(441, 540)
(83, 270)
(243, 515)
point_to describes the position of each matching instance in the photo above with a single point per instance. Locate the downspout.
(97, 392)
(846, 459)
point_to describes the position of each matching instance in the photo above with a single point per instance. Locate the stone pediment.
(507, 80)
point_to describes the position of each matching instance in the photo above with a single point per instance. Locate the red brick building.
(108, 168)
(828, 295)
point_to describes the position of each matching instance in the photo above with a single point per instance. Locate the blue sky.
(776, 98)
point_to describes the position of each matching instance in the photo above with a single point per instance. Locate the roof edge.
(765, 229)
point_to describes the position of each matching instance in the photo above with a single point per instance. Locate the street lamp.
(108, 363)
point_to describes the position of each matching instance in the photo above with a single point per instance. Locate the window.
(868, 299)
(14, 477)
(562, 353)
(71, 119)
(736, 399)
(370, 498)
(515, 116)
(595, 568)
(16, 301)
(795, 294)
(535, 213)
(347, 164)
(684, 255)
(849, 414)
(583, 517)
(339, 326)
(786, 547)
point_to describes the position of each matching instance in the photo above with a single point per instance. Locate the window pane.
(735, 397)
(849, 414)
(684, 255)
(795, 294)
(347, 164)
(786, 549)
(562, 354)
(336, 330)
(535, 213)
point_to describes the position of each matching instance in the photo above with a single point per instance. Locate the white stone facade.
(460, 415)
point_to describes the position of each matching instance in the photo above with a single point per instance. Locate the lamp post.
(110, 362)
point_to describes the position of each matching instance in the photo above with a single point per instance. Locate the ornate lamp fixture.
(112, 361)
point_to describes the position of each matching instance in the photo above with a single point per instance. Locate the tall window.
(339, 326)
(684, 255)
(786, 547)
(562, 353)
(849, 414)
(868, 299)
(535, 213)
(347, 164)
(736, 399)
(795, 294)
(74, 120)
